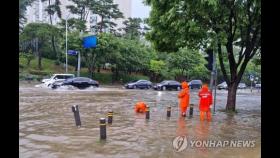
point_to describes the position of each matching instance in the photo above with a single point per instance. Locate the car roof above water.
(65, 74)
(196, 81)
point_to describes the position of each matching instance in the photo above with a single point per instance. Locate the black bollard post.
(168, 111)
(110, 117)
(102, 128)
(75, 109)
(147, 112)
(191, 110)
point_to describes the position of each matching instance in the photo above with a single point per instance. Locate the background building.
(36, 13)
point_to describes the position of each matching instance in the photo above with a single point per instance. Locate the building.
(36, 13)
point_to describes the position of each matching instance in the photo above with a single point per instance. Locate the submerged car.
(141, 84)
(79, 82)
(195, 84)
(222, 86)
(57, 79)
(168, 84)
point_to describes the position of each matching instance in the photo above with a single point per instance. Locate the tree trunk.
(39, 61)
(53, 46)
(28, 62)
(50, 14)
(231, 98)
(112, 70)
(101, 25)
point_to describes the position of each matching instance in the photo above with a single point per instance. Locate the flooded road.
(47, 127)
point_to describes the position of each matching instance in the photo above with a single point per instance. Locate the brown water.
(47, 127)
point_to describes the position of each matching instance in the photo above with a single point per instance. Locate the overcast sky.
(139, 10)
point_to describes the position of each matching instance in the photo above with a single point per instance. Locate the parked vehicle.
(57, 78)
(242, 86)
(141, 84)
(195, 84)
(167, 85)
(258, 86)
(79, 82)
(222, 86)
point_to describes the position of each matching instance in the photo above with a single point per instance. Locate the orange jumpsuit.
(205, 102)
(140, 107)
(184, 97)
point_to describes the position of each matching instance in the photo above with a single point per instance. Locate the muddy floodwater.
(47, 126)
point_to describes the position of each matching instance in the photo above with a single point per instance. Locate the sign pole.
(79, 63)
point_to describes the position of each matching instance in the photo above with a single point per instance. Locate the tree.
(28, 56)
(80, 8)
(186, 61)
(43, 32)
(107, 10)
(23, 4)
(158, 67)
(132, 28)
(220, 23)
(53, 9)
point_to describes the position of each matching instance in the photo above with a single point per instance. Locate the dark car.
(79, 82)
(195, 84)
(139, 84)
(168, 84)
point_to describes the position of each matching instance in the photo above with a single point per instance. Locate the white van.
(57, 78)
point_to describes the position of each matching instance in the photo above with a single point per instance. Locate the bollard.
(191, 110)
(147, 112)
(169, 111)
(102, 128)
(110, 117)
(75, 110)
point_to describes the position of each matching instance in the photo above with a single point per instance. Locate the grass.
(49, 67)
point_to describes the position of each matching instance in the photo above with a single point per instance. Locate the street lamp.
(66, 61)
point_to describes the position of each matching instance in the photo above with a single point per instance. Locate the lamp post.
(66, 60)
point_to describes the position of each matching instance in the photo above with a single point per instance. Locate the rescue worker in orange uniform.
(140, 107)
(184, 97)
(205, 102)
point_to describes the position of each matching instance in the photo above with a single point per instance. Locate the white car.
(222, 86)
(258, 86)
(242, 86)
(57, 78)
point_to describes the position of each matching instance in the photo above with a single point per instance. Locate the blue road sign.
(72, 52)
(90, 42)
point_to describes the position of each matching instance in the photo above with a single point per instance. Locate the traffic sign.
(90, 42)
(72, 52)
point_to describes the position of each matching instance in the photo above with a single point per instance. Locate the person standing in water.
(205, 102)
(184, 97)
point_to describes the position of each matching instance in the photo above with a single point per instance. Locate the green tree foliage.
(28, 56)
(107, 11)
(197, 24)
(80, 8)
(158, 69)
(23, 4)
(44, 33)
(52, 9)
(188, 63)
(132, 28)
